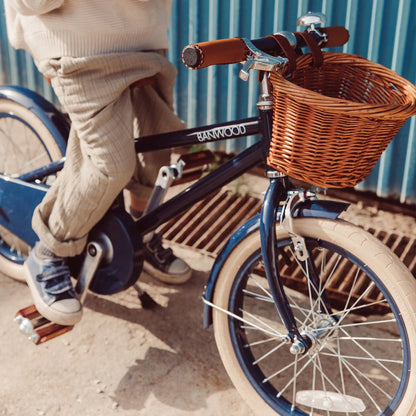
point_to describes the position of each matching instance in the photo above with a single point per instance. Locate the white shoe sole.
(170, 279)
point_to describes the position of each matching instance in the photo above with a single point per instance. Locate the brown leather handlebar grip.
(229, 51)
(214, 52)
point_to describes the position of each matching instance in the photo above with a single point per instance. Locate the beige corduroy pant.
(106, 114)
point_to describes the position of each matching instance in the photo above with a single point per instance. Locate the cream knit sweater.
(56, 28)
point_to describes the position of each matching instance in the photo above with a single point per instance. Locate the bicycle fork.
(275, 194)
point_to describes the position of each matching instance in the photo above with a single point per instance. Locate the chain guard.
(123, 263)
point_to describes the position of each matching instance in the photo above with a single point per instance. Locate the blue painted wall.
(381, 30)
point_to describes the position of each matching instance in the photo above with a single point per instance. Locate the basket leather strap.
(316, 52)
(285, 46)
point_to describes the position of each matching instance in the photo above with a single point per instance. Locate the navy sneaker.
(162, 264)
(49, 281)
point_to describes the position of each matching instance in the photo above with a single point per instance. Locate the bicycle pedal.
(37, 328)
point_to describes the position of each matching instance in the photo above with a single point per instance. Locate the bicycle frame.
(210, 183)
(16, 211)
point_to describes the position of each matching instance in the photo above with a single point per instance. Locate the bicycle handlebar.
(233, 50)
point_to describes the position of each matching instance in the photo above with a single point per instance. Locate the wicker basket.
(332, 123)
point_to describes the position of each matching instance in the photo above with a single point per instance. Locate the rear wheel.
(26, 144)
(362, 350)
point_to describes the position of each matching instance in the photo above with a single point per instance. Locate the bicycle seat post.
(164, 179)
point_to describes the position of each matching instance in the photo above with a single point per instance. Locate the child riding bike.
(94, 53)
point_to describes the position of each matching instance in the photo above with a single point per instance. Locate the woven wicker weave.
(332, 123)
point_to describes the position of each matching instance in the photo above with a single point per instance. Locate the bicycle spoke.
(258, 320)
(253, 279)
(263, 341)
(273, 350)
(297, 373)
(239, 318)
(357, 309)
(347, 311)
(354, 373)
(369, 359)
(257, 296)
(372, 358)
(398, 340)
(357, 324)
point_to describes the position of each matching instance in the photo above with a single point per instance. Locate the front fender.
(47, 113)
(306, 209)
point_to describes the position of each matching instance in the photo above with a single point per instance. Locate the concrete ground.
(120, 359)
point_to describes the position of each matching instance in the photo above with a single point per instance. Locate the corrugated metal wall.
(382, 30)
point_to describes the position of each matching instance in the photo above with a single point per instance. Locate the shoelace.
(57, 279)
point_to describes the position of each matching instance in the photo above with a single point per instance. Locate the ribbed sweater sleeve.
(35, 7)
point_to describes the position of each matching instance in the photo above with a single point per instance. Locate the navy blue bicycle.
(291, 345)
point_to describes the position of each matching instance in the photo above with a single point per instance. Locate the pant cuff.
(69, 248)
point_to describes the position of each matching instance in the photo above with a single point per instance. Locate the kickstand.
(147, 301)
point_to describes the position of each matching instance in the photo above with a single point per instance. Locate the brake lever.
(259, 60)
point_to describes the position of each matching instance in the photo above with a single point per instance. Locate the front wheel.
(363, 346)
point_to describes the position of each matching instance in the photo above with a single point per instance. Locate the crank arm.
(96, 252)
